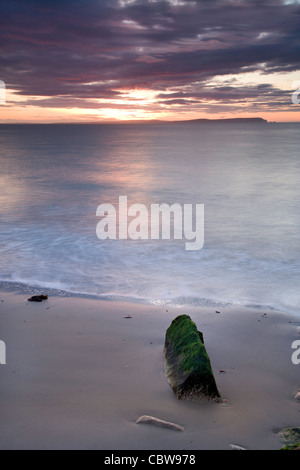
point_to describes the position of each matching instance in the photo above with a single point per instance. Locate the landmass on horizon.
(254, 120)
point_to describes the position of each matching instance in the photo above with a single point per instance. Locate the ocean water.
(53, 178)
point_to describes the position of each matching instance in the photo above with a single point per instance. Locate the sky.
(118, 60)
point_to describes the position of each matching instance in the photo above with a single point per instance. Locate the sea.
(246, 176)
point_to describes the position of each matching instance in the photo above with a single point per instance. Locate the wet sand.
(79, 374)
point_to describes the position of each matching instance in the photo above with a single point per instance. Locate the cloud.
(85, 49)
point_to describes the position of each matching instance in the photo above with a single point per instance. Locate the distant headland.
(255, 120)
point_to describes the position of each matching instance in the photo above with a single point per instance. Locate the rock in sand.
(38, 298)
(297, 396)
(158, 422)
(187, 364)
(291, 437)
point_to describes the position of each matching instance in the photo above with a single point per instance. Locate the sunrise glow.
(144, 60)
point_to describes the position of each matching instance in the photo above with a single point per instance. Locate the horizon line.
(149, 121)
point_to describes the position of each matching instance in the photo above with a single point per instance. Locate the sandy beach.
(79, 373)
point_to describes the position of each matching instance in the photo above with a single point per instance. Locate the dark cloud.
(228, 93)
(82, 49)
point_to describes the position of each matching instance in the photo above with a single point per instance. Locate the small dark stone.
(38, 298)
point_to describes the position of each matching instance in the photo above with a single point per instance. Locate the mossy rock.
(291, 436)
(292, 447)
(187, 364)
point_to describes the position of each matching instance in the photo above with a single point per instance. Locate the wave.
(40, 287)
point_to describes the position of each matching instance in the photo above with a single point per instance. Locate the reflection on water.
(54, 177)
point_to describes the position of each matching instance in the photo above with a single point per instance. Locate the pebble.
(158, 422)
(235, 447)
(38, 298)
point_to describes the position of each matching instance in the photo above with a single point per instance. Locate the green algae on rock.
(291, 447)
(291, 437)
(187, 364)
